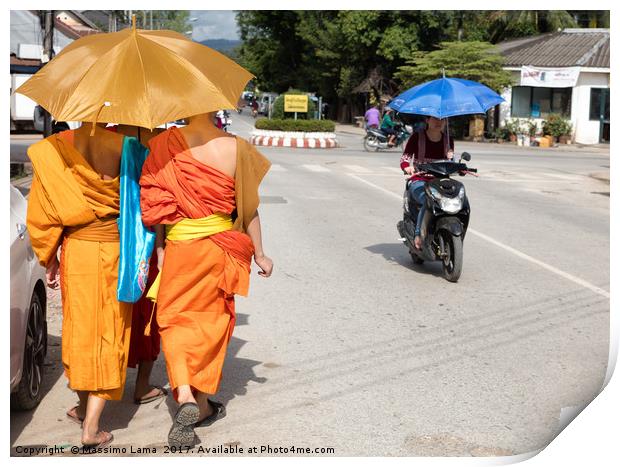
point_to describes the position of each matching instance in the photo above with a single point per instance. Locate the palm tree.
(506, 24)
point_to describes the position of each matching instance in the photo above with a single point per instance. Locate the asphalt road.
(350, 346)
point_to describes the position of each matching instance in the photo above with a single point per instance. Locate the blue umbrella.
(446, 97)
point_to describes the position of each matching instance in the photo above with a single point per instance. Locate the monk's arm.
(255, 233)
(160, 239)
(43, 224)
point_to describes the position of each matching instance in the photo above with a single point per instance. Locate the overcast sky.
(213, 25)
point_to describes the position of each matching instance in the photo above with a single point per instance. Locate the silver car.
(28, 312)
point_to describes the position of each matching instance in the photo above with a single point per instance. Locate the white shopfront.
(579, 94)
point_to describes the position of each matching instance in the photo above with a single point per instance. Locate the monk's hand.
(52, 274)
(160, 258)
(265, 263)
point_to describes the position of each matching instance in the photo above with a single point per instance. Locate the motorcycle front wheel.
(371, 143)
(452, 260)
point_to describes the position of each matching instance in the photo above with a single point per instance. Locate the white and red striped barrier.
(293, 139)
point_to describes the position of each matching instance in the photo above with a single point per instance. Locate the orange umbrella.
(136, 77)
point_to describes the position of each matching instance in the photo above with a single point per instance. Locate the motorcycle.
(226, 120)
(375, 139)
(445, 220)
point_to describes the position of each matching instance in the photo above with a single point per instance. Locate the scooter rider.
(430, 143)
(387, 127)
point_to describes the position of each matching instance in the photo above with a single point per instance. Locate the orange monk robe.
(144, 345)
(70, 203)
(195, 304)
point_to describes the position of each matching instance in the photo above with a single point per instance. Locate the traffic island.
(294, 139)
(291, 133)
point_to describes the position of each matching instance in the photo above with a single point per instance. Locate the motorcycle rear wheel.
(371, 143)
(453, 260)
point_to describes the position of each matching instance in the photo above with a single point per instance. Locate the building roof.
(569, 47)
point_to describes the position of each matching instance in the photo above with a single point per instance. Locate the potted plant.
(557, 126)
(502, 134)
(532, 129)
(512, 126)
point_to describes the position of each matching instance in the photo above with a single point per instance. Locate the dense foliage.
(355, 58)
(474, 60)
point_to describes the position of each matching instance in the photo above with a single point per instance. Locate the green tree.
(476, 61)
(507, 24)
(271, 48)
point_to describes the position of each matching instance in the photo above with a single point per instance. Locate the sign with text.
(549, 77)
(295, 103)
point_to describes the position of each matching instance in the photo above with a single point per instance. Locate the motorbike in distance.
(445, 220)
(375, 139)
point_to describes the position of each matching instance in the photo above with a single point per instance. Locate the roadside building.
(566, 73)
(26, 53)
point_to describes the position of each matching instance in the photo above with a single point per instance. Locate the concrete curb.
(293, 139)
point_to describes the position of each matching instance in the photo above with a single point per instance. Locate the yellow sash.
(190, 229)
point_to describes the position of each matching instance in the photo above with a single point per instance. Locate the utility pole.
(48, 54)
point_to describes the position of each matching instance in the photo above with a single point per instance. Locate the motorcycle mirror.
(466, 156)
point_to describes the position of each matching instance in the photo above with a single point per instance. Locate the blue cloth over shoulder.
(136, 241)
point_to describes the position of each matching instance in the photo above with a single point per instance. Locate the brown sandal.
(74, 418)
(145, 400)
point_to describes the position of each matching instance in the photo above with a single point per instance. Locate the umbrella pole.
(448, 133)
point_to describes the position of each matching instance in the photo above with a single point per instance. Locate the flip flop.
(74, 418)
(93, 447)
(219, 411)
(182, 431)
(146, 400)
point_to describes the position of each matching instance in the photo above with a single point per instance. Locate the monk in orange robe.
(193, 173)
(144, 345)
(74, 201)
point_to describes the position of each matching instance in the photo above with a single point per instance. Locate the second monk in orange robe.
(185, 177)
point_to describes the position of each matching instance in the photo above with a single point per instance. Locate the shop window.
(534, 102)
(598, 97)
(521, 102)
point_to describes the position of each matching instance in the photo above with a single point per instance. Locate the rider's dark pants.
(417, 196)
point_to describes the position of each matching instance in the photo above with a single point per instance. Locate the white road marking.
(572, 178)
(393, 169)
(515, 252)
(315, 168)
(277, 168)
(357, 169)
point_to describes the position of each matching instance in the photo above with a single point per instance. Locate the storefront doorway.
(599, 110)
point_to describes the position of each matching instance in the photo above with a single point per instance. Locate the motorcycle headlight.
(452, 205)
(435, 193)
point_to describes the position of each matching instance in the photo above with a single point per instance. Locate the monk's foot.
(76, 414)
(149, 394)
(206, 410)
(98, 440)
(214, 412)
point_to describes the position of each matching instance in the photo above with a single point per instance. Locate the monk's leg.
(79, 411)
(90, 427)
(144, 389)
(202, 400)
(184, 394)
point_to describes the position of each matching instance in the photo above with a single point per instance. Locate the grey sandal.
(181, 433)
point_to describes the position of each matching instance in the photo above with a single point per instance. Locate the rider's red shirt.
(433, 150)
